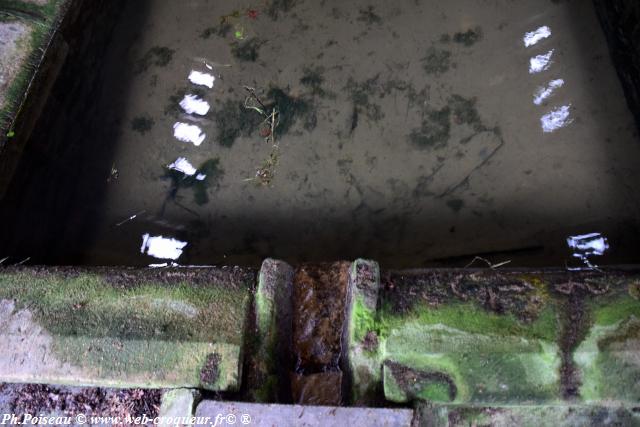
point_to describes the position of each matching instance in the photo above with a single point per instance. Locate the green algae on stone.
(273, 324)
(608, 358)
(436, 61)
(434, 130)
(469, 37)
(144, 334)
(464, 111)
(313, 79)
(471, 335)
(247, 50)
(481, 367)
(277, 7)
(142, 124)
(41, 22)
(290, 110)
(369, 16)
(364, 347)
(221, 30)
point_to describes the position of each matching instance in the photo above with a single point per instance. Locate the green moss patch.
(42, 21)
(608, 358)
(436, 61)
(87, 305)
(129, 330)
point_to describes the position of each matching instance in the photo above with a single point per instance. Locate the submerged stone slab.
(238, 413)
(124, 328)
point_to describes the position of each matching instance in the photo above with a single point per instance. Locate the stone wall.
(620, 20)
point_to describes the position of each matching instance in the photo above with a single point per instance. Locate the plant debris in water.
(312, 78)
(280, 6)
(212, 171)
(211, 370)
(221, 30)
(360, 92)
(465, 112)
(436, 61)
(159, 56)
(434, 130)
(469, 37)
(247, 50)
(369, 16)
(142, 124)
(290, 109)
(234, 121)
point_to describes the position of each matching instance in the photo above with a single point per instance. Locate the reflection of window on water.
(587, 245)
(534, 37)
(162, 247)
(559, 116)
(545, 92)
(540, 63)
(192, 104)
(183, 165)
(202, 79)
(188, 133)
(556, 118)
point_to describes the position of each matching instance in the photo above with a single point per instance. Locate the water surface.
(414, 132)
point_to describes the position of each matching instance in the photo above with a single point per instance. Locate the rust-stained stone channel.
(319, 296)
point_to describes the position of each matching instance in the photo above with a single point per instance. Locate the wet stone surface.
(319, 293)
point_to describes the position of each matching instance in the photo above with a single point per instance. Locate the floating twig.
(491, 266)
(131, 218)
(264, 174)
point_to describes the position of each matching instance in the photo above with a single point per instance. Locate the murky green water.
(415, 132)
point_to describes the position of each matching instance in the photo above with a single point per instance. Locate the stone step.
(124, 328)
(524, 416)
(485, 337)
(210, 413)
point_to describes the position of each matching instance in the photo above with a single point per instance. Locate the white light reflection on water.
(540, 63)
(186, 132)
(192, 104)
(533, 37)
(202, 79)
(556, 119)
(545, 92)
(586, 245)
(162, 247)
(183, 165)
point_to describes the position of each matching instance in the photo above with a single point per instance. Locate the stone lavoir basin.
(415, 133)
(200, 167)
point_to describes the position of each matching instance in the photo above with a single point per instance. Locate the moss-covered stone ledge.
(124, 327)
(26, 28)
(485, 337)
